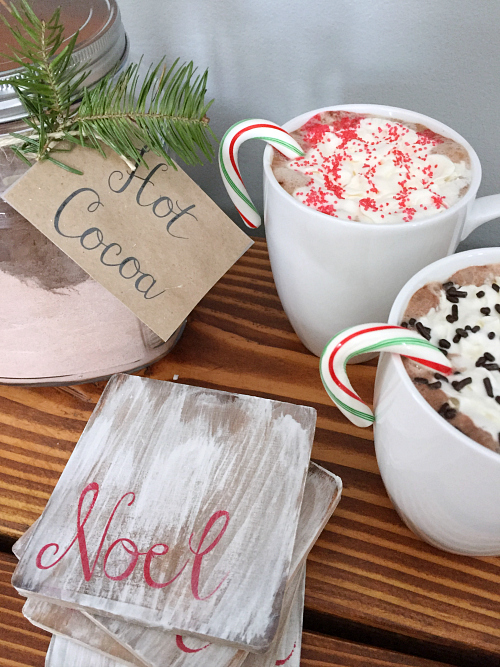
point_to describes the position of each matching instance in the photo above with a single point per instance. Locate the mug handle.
(255, 128)
(483, 210)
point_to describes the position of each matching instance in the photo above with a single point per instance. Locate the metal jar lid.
(101, 43)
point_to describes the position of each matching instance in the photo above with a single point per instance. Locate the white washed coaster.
(321, 496)
(286, 648)
(156, 648)
(65, 653)
(217, 477)
(73, 624)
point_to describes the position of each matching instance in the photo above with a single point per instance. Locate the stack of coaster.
(178, 532)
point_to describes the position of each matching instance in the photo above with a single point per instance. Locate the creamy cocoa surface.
(366, 168)
(462, 317)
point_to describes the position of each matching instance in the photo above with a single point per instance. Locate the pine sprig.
(167, 110)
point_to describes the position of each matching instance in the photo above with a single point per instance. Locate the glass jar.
(58, 325)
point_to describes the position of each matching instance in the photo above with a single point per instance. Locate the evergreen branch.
(47, 73)
(165, 111)
(170, 110)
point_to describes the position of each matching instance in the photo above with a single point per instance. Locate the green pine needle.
(165, 111)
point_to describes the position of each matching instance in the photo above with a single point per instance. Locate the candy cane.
(370, 338)
(228, 160)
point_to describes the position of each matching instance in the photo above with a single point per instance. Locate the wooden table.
(376, 594)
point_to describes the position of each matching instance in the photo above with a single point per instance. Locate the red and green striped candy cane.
(363, 339)
(255, 128)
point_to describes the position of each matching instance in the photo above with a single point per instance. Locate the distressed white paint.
(65, 653)
(185, 452)
(73, 624)
(156, 648)
(19, 547)
(285, 650)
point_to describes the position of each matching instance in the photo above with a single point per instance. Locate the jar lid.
(101, 43)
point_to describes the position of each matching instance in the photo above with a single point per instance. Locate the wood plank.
(368, 568)
(21, 644)
(322, 651)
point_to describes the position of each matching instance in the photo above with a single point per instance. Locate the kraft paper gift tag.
(151, 236)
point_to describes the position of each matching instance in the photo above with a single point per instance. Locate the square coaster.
(178, 509)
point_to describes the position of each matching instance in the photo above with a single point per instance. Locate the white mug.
(444, 485)
(331, 273)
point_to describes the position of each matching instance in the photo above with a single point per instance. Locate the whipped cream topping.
(469, 332)
(376, 170)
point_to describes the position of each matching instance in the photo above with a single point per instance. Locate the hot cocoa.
(366, 168)
(462, 317)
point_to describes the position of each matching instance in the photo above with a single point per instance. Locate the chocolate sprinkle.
(491, 367)
(404, 324)
(488, 356)
(491, 335)
(480, 362)
(420, 380)
(497, 307)
(434, 385)
(454, 315)
(480, 294)
(457, 338)
(444, 343)
(495, 287)
(452, 298)
(412, 321)
(459, 294)
(462, 333)
(458, 386)
(476, 329)
(488, 387)
(447, 411)
(485, 310)
(448, 284)
(497, 399)
(423, 330)
(438, 376)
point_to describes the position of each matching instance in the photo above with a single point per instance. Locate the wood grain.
(21, 644)
(322, 651)
(367, 568)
